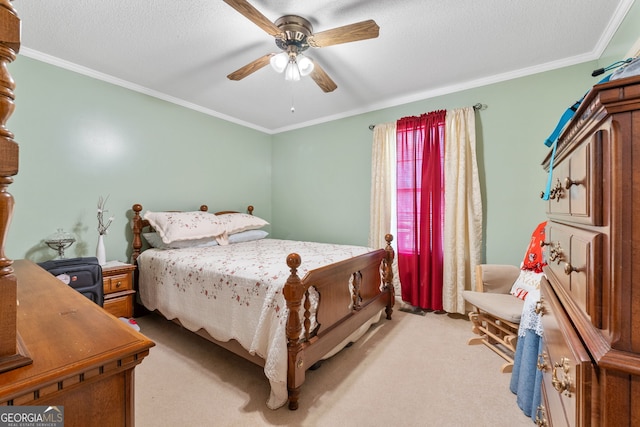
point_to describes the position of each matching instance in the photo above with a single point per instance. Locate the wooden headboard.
(139, 224)
(12, 352)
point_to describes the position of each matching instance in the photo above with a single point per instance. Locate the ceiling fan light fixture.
(294, 35)
(279, 62)
(292, 72)
(305, 65)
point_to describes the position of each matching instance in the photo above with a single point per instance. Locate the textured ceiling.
(182, 50)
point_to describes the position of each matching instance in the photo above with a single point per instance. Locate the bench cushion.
(504, 306)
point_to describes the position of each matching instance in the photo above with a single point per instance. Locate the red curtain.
(420, 208)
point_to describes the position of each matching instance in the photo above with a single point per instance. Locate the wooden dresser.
(591, 300)
(83, 358)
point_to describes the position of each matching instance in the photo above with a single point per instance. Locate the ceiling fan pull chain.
(293, 107)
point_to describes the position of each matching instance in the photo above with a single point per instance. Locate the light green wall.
(81, 138)
(321, 174)
(321, 182)
(624, 38)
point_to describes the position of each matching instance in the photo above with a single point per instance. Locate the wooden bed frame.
(336, 321)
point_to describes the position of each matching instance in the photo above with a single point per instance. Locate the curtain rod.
(476, 107)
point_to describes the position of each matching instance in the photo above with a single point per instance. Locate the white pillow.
(238, 222)
(155, 241)
(172, 226)
(247, 236)
(526, 282)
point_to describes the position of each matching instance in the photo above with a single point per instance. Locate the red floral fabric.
(533, 259)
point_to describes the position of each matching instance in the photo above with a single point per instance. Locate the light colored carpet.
(410, 371)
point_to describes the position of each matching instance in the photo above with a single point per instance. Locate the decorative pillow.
(172, 226)
(526, 282)
(533, 258)
(238, 222)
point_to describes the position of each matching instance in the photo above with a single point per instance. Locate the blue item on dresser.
(551, 140)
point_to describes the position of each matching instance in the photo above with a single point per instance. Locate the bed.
(282, 304)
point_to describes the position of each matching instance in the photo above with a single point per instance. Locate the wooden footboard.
(341, 309)
(340, 312)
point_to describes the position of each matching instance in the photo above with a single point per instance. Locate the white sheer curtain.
(462, 208)
(463, 202)
(382, 210)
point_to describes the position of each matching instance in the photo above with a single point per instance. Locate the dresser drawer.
(550, 412)
(117, 283)
(576, 261)
(121, 306)
(577, 183)
(568, 372)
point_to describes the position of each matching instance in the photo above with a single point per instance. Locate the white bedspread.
(235, 292)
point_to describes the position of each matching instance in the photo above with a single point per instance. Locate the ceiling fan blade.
(250, 68)
(322, 79)
(254, 15)
(349, 33)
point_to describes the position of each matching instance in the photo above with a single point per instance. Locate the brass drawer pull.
(557, 192)
(568, 183)
(542, 362)
(118, 284)
(562, 385)
(556, 253)
(541, 416)
(568, 269)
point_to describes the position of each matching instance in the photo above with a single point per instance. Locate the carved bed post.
(12, 352)
(387, 274)
(137, 229)
(293, 292)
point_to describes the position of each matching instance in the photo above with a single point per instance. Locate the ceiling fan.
(294, 35)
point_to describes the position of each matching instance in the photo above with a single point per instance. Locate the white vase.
(100, 251)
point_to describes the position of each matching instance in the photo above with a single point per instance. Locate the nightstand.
(117, 279)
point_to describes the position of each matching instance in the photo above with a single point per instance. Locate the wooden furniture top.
(112, 269)
(66, 334)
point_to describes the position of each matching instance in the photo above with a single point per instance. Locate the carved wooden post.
(12, 352)
(137, 229)
(293, 292)
(387, 274)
